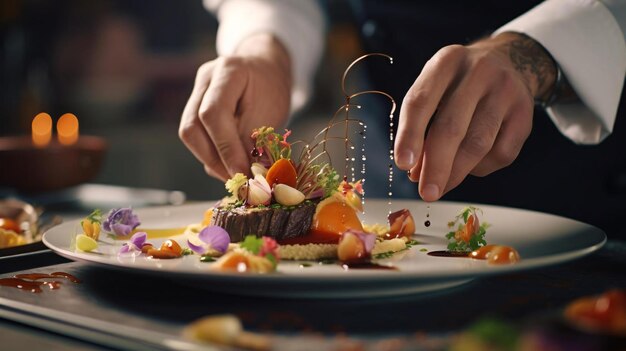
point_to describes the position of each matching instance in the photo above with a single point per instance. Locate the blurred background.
(125, 68)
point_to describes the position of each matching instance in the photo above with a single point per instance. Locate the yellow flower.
(237, 181)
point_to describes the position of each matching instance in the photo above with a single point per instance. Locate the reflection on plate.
(541, 239)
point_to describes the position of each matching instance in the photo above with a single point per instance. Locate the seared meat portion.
(278, 223)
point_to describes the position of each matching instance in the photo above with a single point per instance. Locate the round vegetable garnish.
(335, 216)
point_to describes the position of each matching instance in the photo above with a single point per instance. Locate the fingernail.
(430, 192)
(406, 159)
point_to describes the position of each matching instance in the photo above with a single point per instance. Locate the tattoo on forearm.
(529, 57)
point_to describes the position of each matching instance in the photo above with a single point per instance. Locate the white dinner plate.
(541, 239)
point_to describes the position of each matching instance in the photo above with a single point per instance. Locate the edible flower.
(269, 249)
(134, 245)
(235, 183)
(91, 224)
(212, 238)
(121, 221)
(271, 144)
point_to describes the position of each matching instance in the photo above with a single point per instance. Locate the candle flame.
(41, 129)
(67, 129)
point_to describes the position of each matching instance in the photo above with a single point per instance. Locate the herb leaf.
(252, 244)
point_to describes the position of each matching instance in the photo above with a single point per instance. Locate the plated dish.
(19, 230)
(295, 225)
(541, 239)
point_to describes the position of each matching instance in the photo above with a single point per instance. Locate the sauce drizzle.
(30, 281)
(443, 253)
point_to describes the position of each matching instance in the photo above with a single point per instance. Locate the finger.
(191, 130)
(448, 129)
(215, 173)
(515, 130)
(416, 171)
(421, 101)
(480, 137)
(217, 113)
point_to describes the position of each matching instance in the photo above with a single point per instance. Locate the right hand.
(231, 96)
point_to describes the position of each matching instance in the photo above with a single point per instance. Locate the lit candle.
(41, 129)
(67, 129)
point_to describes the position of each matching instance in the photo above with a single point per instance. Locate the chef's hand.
(478, 100)
(230, 97)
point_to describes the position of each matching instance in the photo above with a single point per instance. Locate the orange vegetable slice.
(336, 217)
(282, 172)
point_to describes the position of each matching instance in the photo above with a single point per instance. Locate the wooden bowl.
(31, 169)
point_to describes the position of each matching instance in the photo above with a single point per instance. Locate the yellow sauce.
(154, 233)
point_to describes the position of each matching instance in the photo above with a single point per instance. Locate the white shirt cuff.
(298, 25)
(586, 41)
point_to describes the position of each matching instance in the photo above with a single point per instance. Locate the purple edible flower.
(212, 237)
(121, 221)
(134, 245)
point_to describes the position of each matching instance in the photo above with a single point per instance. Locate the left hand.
(478, 100)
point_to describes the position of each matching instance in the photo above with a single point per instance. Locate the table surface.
(514, 297)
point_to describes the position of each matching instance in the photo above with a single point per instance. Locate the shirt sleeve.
(299, 25)
(586, 39)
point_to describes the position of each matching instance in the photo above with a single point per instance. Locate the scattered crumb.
(308, 252)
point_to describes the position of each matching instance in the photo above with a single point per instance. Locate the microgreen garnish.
(267, 142)
(94, 217)
(469, 234)
(207, 259)
(263, 246)
(252, 244)
(384, 255)
(186, 252)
